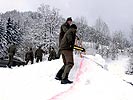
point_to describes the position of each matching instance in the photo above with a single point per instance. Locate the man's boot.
(66, 81)
(65, 75)
(59, 74)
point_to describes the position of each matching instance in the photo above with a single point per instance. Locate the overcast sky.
(118, 14)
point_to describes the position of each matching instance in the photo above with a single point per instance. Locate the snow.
(91, 81)
(119, 67)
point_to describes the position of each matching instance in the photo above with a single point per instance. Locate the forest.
(42, 28)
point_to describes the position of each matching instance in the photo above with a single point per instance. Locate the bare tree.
(82, 28)
(102, 27)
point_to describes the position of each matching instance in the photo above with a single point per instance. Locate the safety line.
(79, 73)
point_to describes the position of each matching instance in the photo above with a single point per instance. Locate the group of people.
(30, 55)
(38, 55)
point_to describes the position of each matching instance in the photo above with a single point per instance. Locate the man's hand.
(83, 50)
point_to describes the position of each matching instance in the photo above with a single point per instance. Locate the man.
(11, 52)
(64, 28)
(66, 47)
(29, 56)
(39, 54)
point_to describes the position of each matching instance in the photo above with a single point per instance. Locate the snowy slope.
(119, 67)
(36, 82)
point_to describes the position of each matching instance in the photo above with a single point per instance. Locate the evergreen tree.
(18, 33)
(2, 40)
(13, 32)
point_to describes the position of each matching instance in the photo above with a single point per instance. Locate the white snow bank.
(36, 82)
(98, 84)
(119, 67)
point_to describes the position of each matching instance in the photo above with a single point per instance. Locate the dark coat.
(12, 49)
(39, 53)
(68, 40)
(63, 30)
(29, 55)
(52, 55)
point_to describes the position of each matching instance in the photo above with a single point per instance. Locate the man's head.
(69, 20)
(39, 47)
(13, 43)
(74, 27)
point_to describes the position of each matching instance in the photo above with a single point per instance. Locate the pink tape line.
(72, 87)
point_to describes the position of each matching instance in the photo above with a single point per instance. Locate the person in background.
(11, 53)
(52, 55)
(29, 56)
(39, 54)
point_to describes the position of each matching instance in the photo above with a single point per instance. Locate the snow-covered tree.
(103, 32)
(13, 33)
(131, 36)
(50, 24)
(118, 39)
(83, 28)
(102, 27)
(3, 42)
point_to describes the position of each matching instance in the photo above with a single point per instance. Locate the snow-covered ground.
(91, 82)
(119, 67)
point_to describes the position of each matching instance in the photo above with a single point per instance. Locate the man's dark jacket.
(64, 29)
(68, 41)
